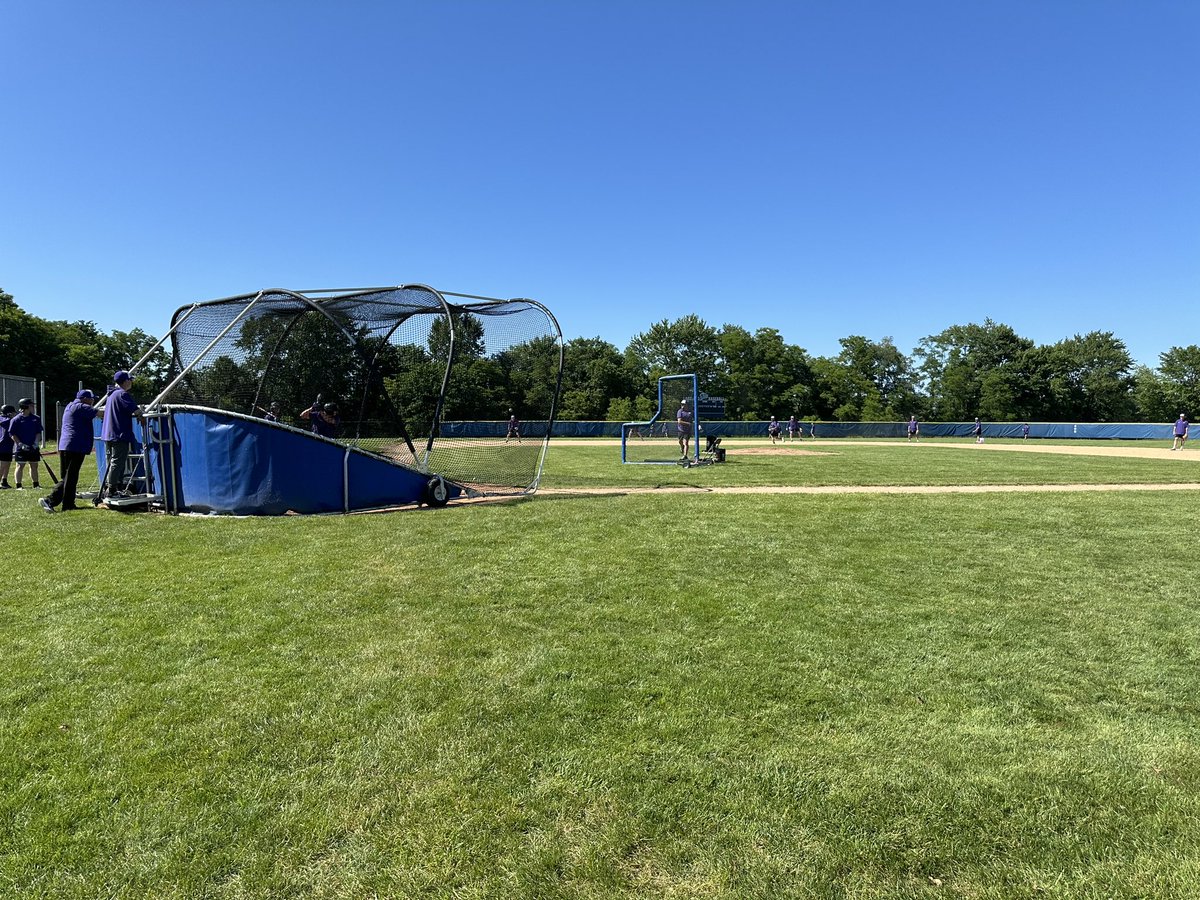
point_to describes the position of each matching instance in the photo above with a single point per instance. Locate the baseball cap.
(85, 395)
(120, 376)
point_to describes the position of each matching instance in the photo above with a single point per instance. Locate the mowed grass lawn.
(758, 463)
(630, 696)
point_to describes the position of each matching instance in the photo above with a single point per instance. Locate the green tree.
(1097, 377)
(31, 346)
(763, 375)
(867, 381)
(688, 345)
(594, 372)
(1179, 368)
(293, 356)
(1152, 396)
(532, 369)
(413, 387)
(468, 337)
(620, 409)
(954, 363)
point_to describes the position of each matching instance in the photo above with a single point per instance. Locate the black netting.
(396, 362)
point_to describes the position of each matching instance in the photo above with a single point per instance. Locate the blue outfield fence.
(1127, 431)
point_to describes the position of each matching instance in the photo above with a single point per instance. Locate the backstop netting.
(396, 362)
(658, 440)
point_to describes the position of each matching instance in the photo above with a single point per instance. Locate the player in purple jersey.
(793, 427)
(683, 427)
(323, 420)
(1025, 432)
(25, 429)
(74, 444)
(514, 428)
(118, 435)
(6, 443)
(773, 430)
(914, 429)
(1181, 433)
(978, 431)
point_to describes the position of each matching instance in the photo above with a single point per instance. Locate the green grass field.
(643, 695)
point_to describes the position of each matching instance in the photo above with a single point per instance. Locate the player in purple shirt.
(269, 413)
(683, 427)
(6, 443)
(514, 428)
(793, 426)
(118, 435)
(1025, 432)
(914, 429)
(773, 430)
(1181, 434)
(978, 432)
(74, 444)
(25, 429)
(323, 420)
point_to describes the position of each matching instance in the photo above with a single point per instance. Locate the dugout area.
(396, 362)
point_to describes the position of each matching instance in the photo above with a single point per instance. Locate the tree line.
(985, 370)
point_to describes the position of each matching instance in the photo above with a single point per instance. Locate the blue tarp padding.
(233, 465)
(1118, 431)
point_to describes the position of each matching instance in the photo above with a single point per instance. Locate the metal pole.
(100, 403)
(199, 356)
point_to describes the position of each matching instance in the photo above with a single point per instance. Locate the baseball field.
(823, 669)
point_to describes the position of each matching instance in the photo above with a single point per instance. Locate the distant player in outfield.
(913, 428)
(793, 427)
(978, 431)
(683, 425)
(814, 430)
(773, 430)
(1025, 432)
(1181, 431)
(514, 428)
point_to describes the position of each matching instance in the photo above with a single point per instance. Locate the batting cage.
(338, 400)
(672, 435)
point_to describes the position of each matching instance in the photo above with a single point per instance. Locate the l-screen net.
(661, 439)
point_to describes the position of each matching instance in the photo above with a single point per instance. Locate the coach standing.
(683, 425)
(1181, 432)
(75, 440)
(117, 433)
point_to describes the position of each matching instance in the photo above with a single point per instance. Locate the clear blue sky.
(825, 167)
